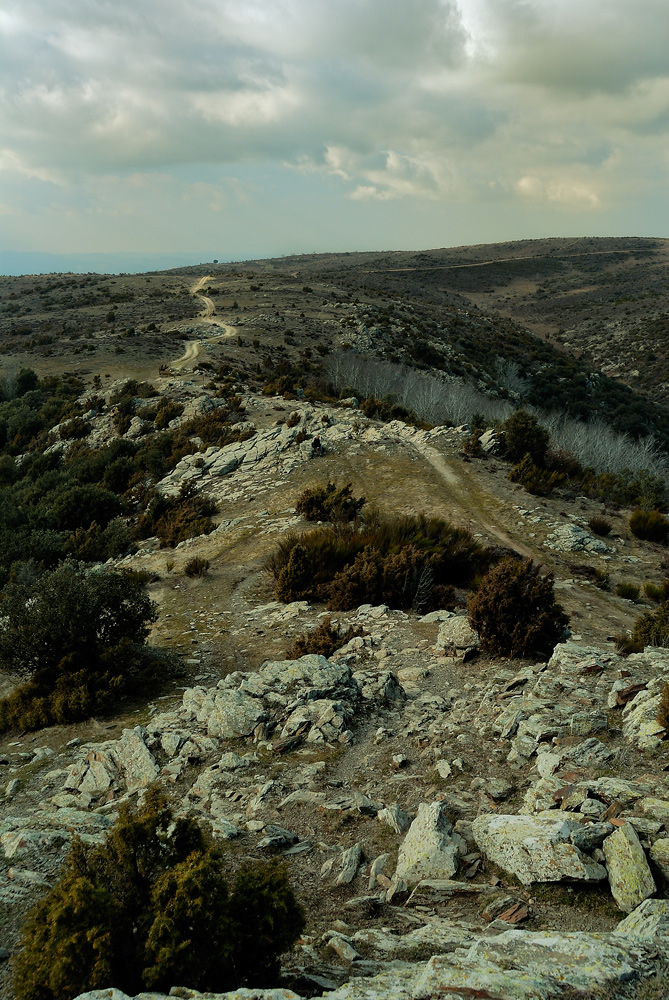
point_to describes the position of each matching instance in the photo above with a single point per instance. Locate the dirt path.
(194, 347)
(462, 490)
(498, 260)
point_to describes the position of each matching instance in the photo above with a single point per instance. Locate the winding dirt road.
(194, 347)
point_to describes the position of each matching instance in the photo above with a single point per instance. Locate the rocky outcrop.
(536, 848)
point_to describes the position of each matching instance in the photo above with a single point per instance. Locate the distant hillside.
(578, 326)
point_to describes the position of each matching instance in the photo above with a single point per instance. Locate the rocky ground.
(455, 825)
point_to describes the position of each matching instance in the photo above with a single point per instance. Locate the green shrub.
(174, 519)
(78, 636)
(524, 435)
(655, 593)
(651, 526)
(77, 427)
(514, 610)
(536, 480)
(324, 640)
(628, 590)
(652, 627)
(167, 410)
(401, 580)
(600, 526)
(153, 906)
(429, 556)
(328, 503)
(626, 645)
(197, 566)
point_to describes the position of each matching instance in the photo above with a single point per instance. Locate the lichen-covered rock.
(650, 920)
(534, 848)
(234, 714)
(640, 725)
(629, 875)
(430, 848)
(572, 538)
(456, 633)
(531, 965)
(659, 853)
(134, 759)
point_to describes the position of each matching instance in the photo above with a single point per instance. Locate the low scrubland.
(156, 904)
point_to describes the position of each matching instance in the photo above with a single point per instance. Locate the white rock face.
(535, 848)
(430, 849)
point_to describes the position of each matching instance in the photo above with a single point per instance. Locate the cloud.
(562, 104)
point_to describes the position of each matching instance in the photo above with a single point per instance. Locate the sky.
(254, 128)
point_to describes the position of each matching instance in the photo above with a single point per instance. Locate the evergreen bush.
(515, 612)
(329, 503)
(78, 637)
(536, 480)
(600, 526)
(652, 627)
(651, 526)
(323, 640)
(153, 907)
(524, 435)
(628, 590)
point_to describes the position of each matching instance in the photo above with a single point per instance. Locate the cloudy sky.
(238, 128)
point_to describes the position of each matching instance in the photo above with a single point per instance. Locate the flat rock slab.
(534, 848)
(629, 874)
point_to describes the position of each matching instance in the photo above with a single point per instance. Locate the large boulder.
(535, 848)
(430, 848)
(629, 874)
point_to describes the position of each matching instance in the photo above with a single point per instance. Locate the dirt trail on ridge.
(461, 490)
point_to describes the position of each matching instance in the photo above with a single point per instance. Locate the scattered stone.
(349, 862)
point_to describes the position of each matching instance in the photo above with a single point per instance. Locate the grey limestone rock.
(457, 634)
(659, 853)
(430, 848)
(650, 920)
(629, 874)
(534, 848)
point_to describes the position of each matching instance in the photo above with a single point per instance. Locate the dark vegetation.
(329, 503)
(628, 590)
(405, 562)
(515, 612)
(91, 503)
(652, 627)
(174, 519)
(196, 567)
(153, 906)
(651, 526)
(77, 638)
(324, 640)
(600, 526)
(541, 469)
